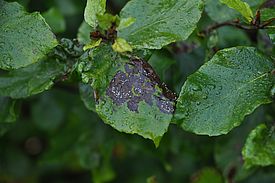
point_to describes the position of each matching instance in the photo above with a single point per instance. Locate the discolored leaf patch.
(138, 83)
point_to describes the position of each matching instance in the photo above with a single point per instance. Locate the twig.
(235, 23)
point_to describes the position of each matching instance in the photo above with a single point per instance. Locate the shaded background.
(57, 140)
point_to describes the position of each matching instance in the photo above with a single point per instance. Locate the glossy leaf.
(94, 8)
(130, 96)
(159, 22)
(25, 38)
(223, 91)
(55, 20)
(241, 7)
(259, 149)
(30, 80)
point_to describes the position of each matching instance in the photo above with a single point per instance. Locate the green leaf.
(8, 110)
(223, 91)
(25, 38)
(106, 20)
(219, 12)
(126, 22)
(92, 44)
(121, 46)
(130, 96)
(94, 8)
(208, 175)
(259, 149)
(241, 7)
(87, 96)
(30, 80)
(159, 22)
(83, 35)
(55, 20)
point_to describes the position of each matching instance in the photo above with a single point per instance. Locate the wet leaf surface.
(25, 38)
(223, 91)
(31, 80)
(260, 147)
(159, 22)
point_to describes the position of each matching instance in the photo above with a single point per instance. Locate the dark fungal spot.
(138, 83)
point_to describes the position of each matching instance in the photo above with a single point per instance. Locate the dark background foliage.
(56, 139)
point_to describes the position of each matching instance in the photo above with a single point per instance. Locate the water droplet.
(212, 87)
(195, 88)
(204, 96)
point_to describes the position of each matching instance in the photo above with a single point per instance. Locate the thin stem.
(235, 23)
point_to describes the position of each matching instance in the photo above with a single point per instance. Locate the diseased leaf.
(241, 7)
(130, 96)
(159, 22)
(94, 8)
(223, 91)
(8, 110)
(55, 20)
(30, 80)
(25, 38)
(259, 149)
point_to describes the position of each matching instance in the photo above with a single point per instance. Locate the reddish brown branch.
(236, 23)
